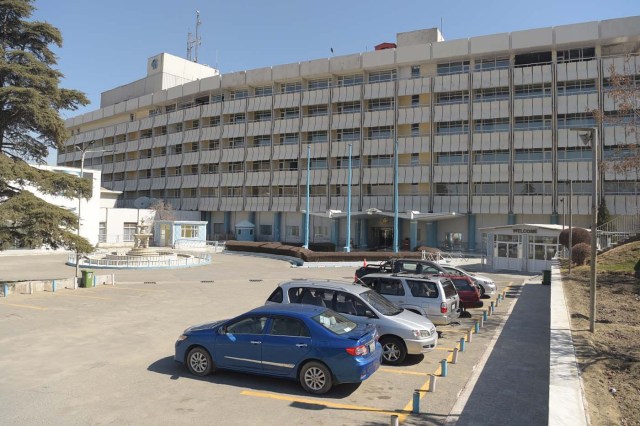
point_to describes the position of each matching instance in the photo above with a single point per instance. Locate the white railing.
(132, 262)
(618, 229)
(199, 245)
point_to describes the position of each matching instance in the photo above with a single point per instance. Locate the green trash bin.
(87, 279)
(546, 276)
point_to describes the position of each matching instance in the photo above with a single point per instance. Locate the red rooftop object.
(383, 46)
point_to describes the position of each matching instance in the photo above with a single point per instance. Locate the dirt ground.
(609, 359)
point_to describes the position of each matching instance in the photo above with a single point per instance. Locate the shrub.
(580, 235)
(580, 253)
(637, 269)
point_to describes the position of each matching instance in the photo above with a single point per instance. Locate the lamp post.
(306, 217)
(591, 137)
(395, 196)
(347, 247)
(84, 152)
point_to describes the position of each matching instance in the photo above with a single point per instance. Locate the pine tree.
(30, 125)
(603, 213)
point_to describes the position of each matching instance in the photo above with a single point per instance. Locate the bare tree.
(164, 210)
(623, 89)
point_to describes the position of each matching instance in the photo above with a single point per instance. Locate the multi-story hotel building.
(480, 129)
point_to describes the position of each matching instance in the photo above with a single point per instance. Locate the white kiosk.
(524, 247)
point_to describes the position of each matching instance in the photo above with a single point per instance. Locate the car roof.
(326, 284)
(289, 309)
(426, 277)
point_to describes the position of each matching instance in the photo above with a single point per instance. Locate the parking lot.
(104, 355)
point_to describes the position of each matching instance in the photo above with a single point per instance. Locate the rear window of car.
(276, 296)
(334, 322)
(426, 289)
(462, 284)
(448, 288)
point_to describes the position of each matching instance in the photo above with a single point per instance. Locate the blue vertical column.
(471, 230)
(252, 217)
(432, 234)
(413, 234)
(511, 219)
(303, 228)
(277, 220)
(335, 232)
(227, 223)
(555, 219)
(206, 216)
(358, 233)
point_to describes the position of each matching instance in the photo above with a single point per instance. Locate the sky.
(107, 43)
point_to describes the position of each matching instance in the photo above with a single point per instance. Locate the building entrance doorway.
(382, 238)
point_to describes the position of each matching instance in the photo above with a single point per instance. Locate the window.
(102, 232)
(317, 110)
(128, 230)
(574, 154)
(176, 149)
(536, 58)
(382, 76)
(317, 136)
(289, 113)
(289, 138)
(453, 68)
(259, 191)
(317, 190)
(584, 119)
(218, 97)
(189, 192)
(277, 296)
(211, 121)
(231, 191)
(576, 87)
(249, 325)
(321, 231)
(263, 91)
(262, 140)
(318, 84)
(286, 191)
(189, 231)
(532, 156)
(491, 94)
(425, 289)
(240, 94)
(343, 162)
(484, 157)
(334, 322)
(237, 118)
(617, 187)
(532, 123)
(491, 125)
(381, 104)
(348, 107)
(382, 132)
(573, 55)
(348, 135)
(526, 91)
(415, 129)
(291, 87)
(236, 142)
(350, 80)
(310, 296)
(265, 230)
(211, 145)
(542, 248)
(380, 161)
(390, 287)
(415, 100)
(262, 115)
(452, 158)
(209, 192)
(236, 167)
(491, 188)
(491, 64)
(378, 189)
(145, 134)
(292, 231)
(532, 188)
(452, 127)
(451, 188)
(288, 327)
(447, 98)
(318, 163)
(288, 165)
(415, 71)
(169, 108)
(190, 170)
(204, 100)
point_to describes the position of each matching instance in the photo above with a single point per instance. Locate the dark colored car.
(467, 290)
(312, 344)
(409, 266)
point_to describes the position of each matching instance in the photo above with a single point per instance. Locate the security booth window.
(507, 246)
(542, 248)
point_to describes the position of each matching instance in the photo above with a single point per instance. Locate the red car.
(468, 291)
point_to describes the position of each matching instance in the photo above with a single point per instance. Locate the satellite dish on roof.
(142, 202)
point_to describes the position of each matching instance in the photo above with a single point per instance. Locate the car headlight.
(182, 337)
(421, 333)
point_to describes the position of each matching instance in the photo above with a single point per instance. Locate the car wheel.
(481, 290)
(315, 378)
(393, 350)
(199, 362)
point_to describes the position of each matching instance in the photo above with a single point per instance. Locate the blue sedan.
(312, 344)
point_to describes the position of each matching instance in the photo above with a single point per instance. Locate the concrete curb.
(566, 395)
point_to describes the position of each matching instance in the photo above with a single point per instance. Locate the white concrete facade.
(481, 124)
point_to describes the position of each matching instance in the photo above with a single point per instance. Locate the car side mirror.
(222, 330)
(369, 314)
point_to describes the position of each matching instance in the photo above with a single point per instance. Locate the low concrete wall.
(33, 286)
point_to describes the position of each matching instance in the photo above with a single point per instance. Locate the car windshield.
(380, 304)
(334, 322)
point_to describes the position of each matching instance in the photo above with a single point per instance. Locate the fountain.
(141, 255)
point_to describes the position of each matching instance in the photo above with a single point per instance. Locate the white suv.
(435, 297)
(401, 332)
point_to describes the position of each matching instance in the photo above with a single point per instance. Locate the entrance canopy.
(376, 213)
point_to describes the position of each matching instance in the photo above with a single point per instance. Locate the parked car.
(312, 344)
(432, 296)
(467, 290)
(401, 332)
(411, 266)
(485, 284)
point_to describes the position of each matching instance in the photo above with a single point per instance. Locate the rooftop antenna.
(194, 42)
